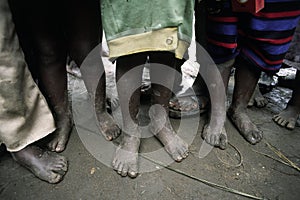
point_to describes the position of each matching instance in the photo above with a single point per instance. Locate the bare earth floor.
(239, 167)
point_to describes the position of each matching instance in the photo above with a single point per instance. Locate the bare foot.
(125, 161)
(47, 166)
(60, 137)
(257, 99)
(246, 128)
(107, 126)
(215, 135)
(288, 117)
(161, 127)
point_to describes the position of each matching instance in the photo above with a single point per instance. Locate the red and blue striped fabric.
(262, 38)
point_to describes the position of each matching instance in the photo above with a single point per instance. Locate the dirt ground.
(241, 167)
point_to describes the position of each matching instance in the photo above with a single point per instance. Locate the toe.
(109, 137)
(183, 153)
(120, 168)
(283, 122)
(52, 146)
(279, 121)
(291, 125)
(186, 154)
(223, 141)
(276, 118)
(177, 158)
(54, 178)
(251, 139)
(132, 172)
(115, 164)
(124, 170)
(60, 146)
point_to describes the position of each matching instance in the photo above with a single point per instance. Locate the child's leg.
(246, 78)
(288, 117)
(126, 155)
(84, 33)
(160, 124)
(51, 55)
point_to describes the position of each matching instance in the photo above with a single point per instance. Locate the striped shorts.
(262, 38)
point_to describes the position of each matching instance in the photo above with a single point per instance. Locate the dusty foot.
(257, 99)
(60, 136)
(107, 126)
(215, 136)
(288, 117)
(47, 166)
(246, 128)
(125, 161)
(161, 127)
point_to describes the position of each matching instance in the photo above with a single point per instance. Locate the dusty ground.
(88, 178)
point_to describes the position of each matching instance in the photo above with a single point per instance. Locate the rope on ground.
(276, 159)
(214, 185)
(240, 155)
(283, 159)
(282, 156)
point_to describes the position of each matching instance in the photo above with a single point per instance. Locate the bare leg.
(246, 78)
(160, 125)
(107, 125)
(214, 132)
(51, 56)
(47, 166)
(84, 32)
(125, 161)
(288, 117)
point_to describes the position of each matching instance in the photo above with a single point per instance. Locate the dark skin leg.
(107, 126)
(51, 55)
(47, 166)
(288, 117)
(246, 78)
(214, 132)
(84, 34)
(160, 125)
(216, 79)
(125, 161)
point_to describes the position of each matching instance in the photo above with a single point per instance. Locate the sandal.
(187, 106)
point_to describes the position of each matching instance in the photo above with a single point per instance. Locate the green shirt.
(133, 26)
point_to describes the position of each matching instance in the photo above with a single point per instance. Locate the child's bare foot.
(106, 124)
(161, 127)
(125, 161)
(215, 135)
(246, 128)
(47, 166)
(60, 137)
(288, 117)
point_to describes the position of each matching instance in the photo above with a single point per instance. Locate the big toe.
(61, 145)
(54, 178)
(291, 124)
(255, 137)
(132, 171)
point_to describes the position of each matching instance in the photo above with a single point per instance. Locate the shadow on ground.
(239, 167)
